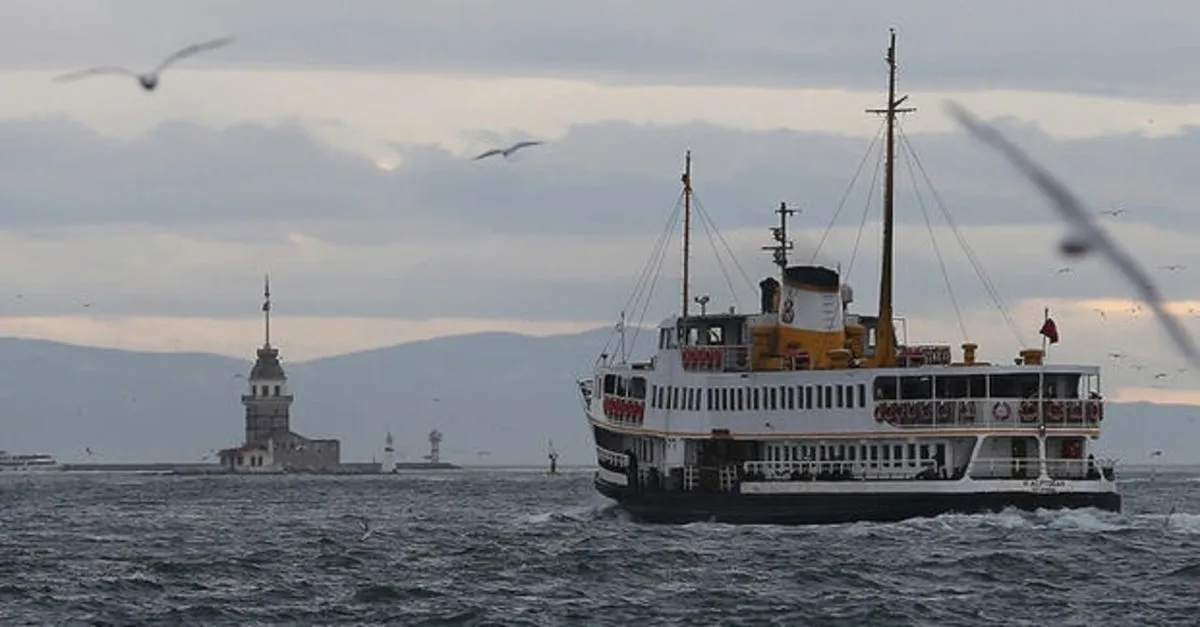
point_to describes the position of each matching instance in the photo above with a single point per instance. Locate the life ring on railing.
(966, 411)
(1095, 412)
(1028, 411)
(1001, 412)
(881, 411)
(1054, 412)
(945, 411)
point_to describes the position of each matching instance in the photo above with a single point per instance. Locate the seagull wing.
(519, 145)
(192, 50)
(96, 71)
(494, 151)
(362, 522)
(1073, 211)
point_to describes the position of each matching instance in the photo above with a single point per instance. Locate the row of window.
(1020, 385)
(768, 398)
(878, 455)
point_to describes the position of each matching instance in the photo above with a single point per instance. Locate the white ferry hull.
(817, 504)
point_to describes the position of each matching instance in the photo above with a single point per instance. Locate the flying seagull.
(1086, 235)
(149, 80)
(366, 527)
(507, 152)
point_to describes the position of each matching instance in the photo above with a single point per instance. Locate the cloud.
(1020, 44)
(184, 220)
(604, 178)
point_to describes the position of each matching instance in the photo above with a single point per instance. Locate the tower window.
(277, 390)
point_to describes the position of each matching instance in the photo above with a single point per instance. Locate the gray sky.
(331, 147)
(1141, 49)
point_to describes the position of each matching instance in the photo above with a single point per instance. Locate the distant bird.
(1116, 355)
(1112, 212)
(1172, 267)
(1103, 314)
(1065, 269)
(366, 527)
(149, 80)
(507, 152)
(1160, 375)
(1087, 236)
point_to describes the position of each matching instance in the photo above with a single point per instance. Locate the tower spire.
(266, 307)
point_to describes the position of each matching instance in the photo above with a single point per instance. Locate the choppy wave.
(524, 548)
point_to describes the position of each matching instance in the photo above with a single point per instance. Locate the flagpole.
(1042, 374)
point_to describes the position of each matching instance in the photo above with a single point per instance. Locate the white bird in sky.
(507, 152)
(148, 80)
(1087, 236)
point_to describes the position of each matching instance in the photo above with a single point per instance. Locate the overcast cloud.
(182, 220)
(1143, 49)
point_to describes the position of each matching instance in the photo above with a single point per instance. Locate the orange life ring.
(1001, 411)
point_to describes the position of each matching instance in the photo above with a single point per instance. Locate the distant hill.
(502, 393)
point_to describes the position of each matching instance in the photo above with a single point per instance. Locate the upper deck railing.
(716, 358)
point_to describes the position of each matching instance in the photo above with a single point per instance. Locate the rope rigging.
(988, 285)
(937, 250)
(846, 194)
(714, 234)
(643, 289)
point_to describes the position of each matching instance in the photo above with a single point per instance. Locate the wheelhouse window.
(637, 387)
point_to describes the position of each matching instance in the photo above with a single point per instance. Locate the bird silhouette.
(1112, 212)
(507, 152)
(1087, 235)
(1172, 267)
(366, 527)
(148, 80)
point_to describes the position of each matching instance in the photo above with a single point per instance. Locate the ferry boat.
(10, 462)
(808, 413)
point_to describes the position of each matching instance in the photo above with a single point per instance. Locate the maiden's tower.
(270, 445)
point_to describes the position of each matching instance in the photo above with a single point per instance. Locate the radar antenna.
(780, 235)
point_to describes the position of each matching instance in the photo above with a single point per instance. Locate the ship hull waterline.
(664, 507)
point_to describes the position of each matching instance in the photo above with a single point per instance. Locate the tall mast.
(687, 226)
(266, 310)
(885, 342)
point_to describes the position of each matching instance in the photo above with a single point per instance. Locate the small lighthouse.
(435, 447)
(388, 465)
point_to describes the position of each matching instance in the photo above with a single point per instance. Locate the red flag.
(1050, 330)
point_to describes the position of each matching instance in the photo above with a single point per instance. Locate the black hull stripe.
(834, 508)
